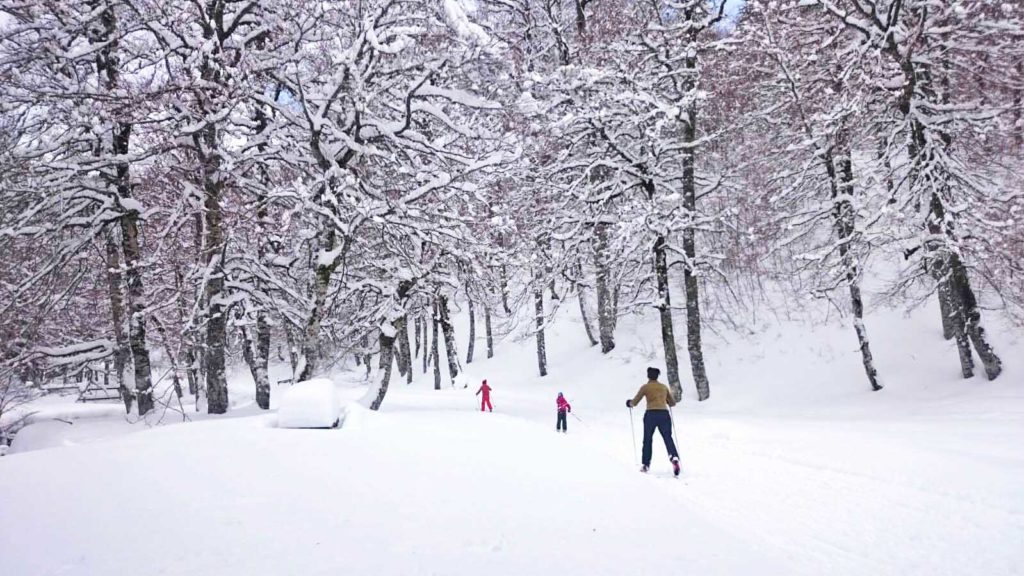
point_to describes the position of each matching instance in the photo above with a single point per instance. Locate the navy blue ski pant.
(660, 420)
(560, 424)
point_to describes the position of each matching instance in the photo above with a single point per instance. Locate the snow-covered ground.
(793, 467)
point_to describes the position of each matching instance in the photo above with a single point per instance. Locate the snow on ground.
(794, 467)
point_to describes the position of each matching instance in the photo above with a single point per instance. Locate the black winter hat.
(653, 373)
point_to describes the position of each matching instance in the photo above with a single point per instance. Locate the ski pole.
(576, 417)
(672, 418)
(632, 430)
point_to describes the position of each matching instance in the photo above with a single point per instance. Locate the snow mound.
(310, 404)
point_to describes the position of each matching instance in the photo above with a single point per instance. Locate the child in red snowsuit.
(485, 402)
(563, 406)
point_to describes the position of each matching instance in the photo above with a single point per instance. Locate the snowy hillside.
(788, 470)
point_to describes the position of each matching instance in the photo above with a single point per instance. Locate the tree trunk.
(310, 350)
(664, 305)
(187, 338)
(426, 344)
(387, 348)
(116, 296)
(504, 290)
(972, 320)
(538, 309)
(416, 332)
(606, 316)
(449, 339)
(472, 331)
(487, 328)
(213, 249)
(693, 324)
(109, 74)
(581, 294)
(260, 346)
(404, 352)
(840, 168)
(401, 352)
(175, 380)
(946, 310)
(256, 351)
(434, 356)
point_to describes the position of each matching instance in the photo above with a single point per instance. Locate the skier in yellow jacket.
(659, 399)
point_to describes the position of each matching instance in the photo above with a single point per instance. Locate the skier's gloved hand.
(629, 403)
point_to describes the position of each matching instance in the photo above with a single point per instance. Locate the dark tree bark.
(504, 290)
(259, 344)
(188, 338)
(664, 306)
(116, 296)
(404, 352)
(213, 250)
(434, 356)
(109, 72)
(387, 352)
(944, 263)
(840, 169)
(137, 308)
(426, 344)
(606, 315)
(207, 143)
(472, 331)
(449, 338)
(169, 350)
(256, 352)
(310, 351)
(694, 345)
(416, 331)
(972, 320)
(400, 353)
(946, 310)
(538, 309)
(399, 326)
(581, 293)
(487, 328)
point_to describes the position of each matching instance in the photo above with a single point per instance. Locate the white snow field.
(793, 467)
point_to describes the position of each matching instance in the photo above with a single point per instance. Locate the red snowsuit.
(485, 401)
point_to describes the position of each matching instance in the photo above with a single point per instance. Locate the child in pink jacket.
(485, 401)
(563, 406)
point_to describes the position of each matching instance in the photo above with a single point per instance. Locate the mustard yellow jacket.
(658, 396)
